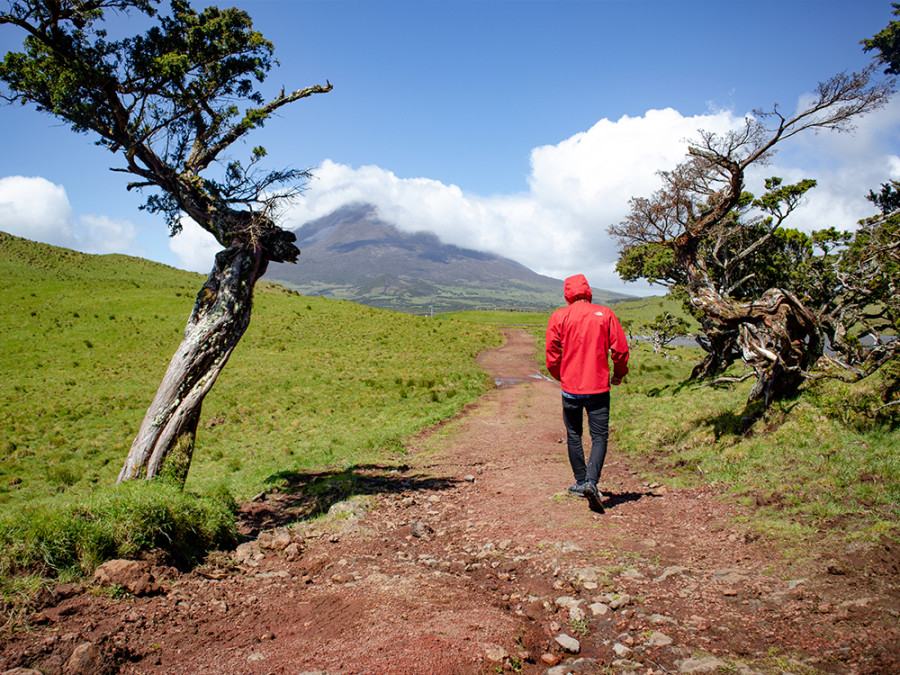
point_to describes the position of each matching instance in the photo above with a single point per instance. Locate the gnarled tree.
(170, 103)
(703, 235)
(862, 312)
(664, 330)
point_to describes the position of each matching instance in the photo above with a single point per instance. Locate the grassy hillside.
(85, 340)
(645, 310)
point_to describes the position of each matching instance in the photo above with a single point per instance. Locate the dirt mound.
(472, 558)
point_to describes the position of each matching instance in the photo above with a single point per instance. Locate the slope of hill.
(85, 340)
(351, 254)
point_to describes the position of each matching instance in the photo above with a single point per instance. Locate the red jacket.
(579, 337)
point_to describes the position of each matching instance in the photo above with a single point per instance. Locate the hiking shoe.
(578, 488)
(594, 497)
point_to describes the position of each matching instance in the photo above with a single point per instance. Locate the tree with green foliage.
(170, 103)
(665, 329)
(747, 279)
(863, 315)
(888, 198)
(887, 43)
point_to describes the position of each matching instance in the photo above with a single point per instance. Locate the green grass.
(320, 390)
(643, 311)
(73, 537)
(314, 385)
(806, 466)
(500, 318)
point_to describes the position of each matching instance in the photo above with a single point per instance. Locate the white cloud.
(195, 247)
(101, 234)
(37, 209)
(577, 189)
(595, 171)
(581, 186)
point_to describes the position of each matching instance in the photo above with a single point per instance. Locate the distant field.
(646, 309)
(638, 311)
(503, 318)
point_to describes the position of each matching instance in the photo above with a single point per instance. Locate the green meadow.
(324, 387)
(314, 384)
(813, 468)
(500, 318)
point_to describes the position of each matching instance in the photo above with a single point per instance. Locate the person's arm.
(618, 351)
(553, 348)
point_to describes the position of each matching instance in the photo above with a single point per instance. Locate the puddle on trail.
(503, 382)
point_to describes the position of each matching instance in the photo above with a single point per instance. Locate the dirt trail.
(473, 559)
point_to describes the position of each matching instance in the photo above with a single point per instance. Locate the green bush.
(74, 536)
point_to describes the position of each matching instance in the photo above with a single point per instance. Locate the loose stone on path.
(568, 643)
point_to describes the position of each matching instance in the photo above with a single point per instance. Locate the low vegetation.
(812, 465)
(332, 385)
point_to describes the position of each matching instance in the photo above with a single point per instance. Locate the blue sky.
(518, 127)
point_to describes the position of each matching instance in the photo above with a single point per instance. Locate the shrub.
(52, 537)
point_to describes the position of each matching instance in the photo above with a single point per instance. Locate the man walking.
(580, 339)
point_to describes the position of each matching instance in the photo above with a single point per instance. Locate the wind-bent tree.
(887, 43)
(169, 103)
(664, 330)
(865, 298)
(701, 234)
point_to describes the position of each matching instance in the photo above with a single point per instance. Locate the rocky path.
(472, 558)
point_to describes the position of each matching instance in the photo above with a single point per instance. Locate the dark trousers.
(597, 408)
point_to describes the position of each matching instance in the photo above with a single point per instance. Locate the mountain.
(351, 254)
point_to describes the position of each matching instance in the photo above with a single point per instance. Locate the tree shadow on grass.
(754, 419)
(295, 495)
(672, 388)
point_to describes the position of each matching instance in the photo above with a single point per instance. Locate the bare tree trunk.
(721, 350)
(779, 337)
(164, 444)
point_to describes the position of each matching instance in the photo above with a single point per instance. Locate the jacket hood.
(577, 288)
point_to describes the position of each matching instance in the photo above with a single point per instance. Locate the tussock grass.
(71, 536)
